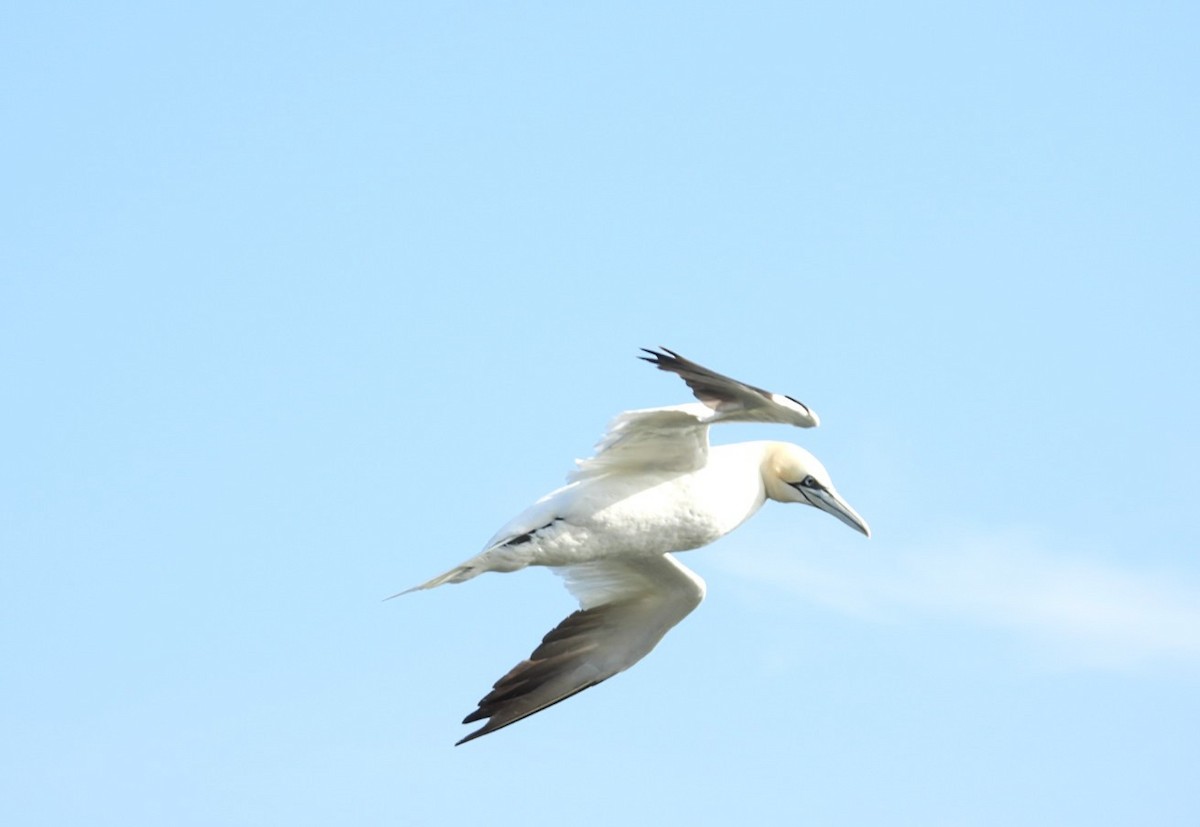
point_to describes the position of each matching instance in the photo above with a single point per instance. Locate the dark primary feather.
(628, 606)
(713, 389)
(721, 393)
(544, 678)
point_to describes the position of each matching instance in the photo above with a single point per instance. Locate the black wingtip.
(477, 715)
(661, 357)
(472, 736)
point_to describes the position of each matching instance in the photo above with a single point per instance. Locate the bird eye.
(810, 482)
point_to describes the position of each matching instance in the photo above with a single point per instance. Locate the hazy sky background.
(300, 302)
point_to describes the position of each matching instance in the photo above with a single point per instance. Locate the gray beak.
(829, 502)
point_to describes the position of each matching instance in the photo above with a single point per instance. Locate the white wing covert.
(652, 439)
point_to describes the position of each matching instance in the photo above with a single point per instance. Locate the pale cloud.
(1095, 612)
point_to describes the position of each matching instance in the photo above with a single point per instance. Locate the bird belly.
(641, 516)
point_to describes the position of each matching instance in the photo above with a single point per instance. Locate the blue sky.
(300, 302)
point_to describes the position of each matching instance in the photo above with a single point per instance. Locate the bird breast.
(638, 514)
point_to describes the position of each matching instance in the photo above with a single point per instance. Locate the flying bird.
(655, 486)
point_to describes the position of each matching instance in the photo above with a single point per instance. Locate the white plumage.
(654, 486)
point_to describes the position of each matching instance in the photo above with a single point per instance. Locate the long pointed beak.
(831, 503)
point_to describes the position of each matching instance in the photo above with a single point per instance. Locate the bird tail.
(458, 574)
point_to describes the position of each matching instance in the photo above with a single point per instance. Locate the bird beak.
(831, 503)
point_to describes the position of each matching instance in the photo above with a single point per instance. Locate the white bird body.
(639, 514)
(654, 487)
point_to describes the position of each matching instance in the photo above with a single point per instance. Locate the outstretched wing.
(731, 400)
(676, 438)
(653, 439)
(626, 607)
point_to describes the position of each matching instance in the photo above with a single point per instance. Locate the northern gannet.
(653, 487)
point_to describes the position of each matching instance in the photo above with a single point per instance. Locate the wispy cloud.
(1097, 612)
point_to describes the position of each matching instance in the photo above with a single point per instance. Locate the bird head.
(793, 475)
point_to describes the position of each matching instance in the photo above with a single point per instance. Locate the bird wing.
(626, 606)
(652, 439)
(676, 438)
(731, 400)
